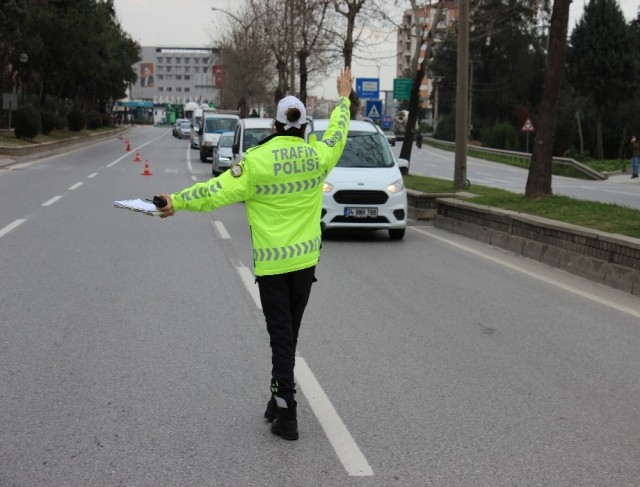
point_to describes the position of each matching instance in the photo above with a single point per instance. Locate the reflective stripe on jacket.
(281, 183)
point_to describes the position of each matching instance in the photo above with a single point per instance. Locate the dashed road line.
(76, 186)
(12, 226)
(52, 200)
(220, 228)
(334, 428)
(343, 443)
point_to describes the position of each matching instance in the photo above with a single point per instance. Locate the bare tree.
(270, 15)
(311, 19)
(539, 178)
(247, 61)
(419, 64)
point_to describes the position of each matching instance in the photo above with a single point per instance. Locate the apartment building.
(406, 41)
(177, 75)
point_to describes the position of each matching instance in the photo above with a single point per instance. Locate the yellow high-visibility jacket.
(281, 183)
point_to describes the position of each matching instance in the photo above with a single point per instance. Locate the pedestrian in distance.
(285, 228)
(635, 156)
(419, 140)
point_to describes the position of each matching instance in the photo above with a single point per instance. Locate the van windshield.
(212, 125)
(255, 135)
(364, 149)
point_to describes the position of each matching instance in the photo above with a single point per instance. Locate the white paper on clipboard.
(139, 206)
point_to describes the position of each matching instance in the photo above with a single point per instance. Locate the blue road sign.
(368, 88)
(374, 109)
(387, 122)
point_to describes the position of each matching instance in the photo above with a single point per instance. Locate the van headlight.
(326, 187)
(396, 186)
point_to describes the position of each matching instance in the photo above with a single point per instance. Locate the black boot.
(285, 424)
(271, 412)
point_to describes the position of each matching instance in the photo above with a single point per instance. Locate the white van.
(213, 125)
(249, 131)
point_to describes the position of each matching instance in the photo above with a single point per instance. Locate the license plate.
(361, 212)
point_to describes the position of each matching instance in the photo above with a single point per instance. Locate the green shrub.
(94, 120)
(446, 129)
(500, 136)
(27, 122)
(50, 121)
(76, 120)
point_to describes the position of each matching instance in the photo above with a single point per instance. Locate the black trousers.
(284, 298)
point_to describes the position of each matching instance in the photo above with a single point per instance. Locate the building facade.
(407, 41)
(177, 75)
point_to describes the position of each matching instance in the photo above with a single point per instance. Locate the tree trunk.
(414, 103)
(539, 179)
(304, 75)
(599, 146)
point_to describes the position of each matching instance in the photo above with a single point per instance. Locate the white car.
(365, 190)
(222, 154)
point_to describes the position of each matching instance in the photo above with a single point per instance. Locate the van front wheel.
(396, 233)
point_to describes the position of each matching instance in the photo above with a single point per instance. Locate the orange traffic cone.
(147, 170)
(128, 146)
(137, 158)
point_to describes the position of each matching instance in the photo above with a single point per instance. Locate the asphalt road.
(133, 350)
(430, 161)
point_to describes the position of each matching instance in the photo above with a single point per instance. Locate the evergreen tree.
(602, 63)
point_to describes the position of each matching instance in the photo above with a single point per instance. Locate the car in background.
(222, 154)
(391, 137)
(365, 189)
(184, 130)
(248, 133)
(177, 124)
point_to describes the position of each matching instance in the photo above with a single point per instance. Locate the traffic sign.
(374, 109)
(387, 121)
(368, 88)
(402, 88)
(528, 126)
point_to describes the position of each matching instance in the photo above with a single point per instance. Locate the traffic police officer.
(280, 181)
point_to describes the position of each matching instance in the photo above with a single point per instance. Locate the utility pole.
(462, 100)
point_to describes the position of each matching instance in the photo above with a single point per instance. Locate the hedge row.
(29, 122)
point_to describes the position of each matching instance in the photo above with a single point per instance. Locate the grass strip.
(605, 217)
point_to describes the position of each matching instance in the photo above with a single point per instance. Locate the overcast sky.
(192, 23)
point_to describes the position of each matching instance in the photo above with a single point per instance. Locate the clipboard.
(139, 206)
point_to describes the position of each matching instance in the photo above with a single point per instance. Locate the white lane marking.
(75, 186)
(334, 428)
(343, 443)
(535, 275)
(220, 228)
(128, 153)
(189, 166)
(117, 160)
(11, 226)
(92, 175)
(52, 200)
(249, 281)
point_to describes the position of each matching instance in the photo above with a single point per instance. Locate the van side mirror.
(235, 148)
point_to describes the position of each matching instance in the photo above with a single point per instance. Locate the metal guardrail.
(561, 161)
